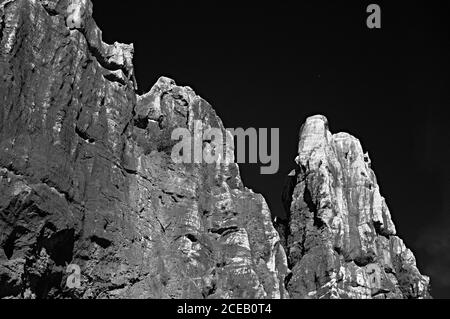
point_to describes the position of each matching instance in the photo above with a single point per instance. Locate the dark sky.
(271, 66)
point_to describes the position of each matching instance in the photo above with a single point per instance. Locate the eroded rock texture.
(340, 238)
(86, 176)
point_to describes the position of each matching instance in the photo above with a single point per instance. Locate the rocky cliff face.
(340, 237)
(86, 178)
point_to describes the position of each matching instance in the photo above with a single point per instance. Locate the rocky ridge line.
(340, 238)
(86, 178)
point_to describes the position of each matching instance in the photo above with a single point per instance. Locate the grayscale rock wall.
(86, 178)
(340, 238)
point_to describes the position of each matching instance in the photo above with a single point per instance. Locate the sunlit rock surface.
(86, 176)
(340, 238)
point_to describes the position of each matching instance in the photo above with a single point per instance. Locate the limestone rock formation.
(340, 238)
(86, 176)
(87, 179)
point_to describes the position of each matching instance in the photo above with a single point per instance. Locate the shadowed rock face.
(86, 178)
(340, 238)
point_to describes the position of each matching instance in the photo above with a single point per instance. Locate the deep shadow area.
(272, 66)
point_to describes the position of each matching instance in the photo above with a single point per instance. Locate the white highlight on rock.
(75, 12)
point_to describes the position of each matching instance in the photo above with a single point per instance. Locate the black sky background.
(273, 65)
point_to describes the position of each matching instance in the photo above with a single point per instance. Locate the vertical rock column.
(341, 240)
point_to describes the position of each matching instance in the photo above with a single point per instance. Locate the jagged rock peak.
(87, 179)
(340, 238)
